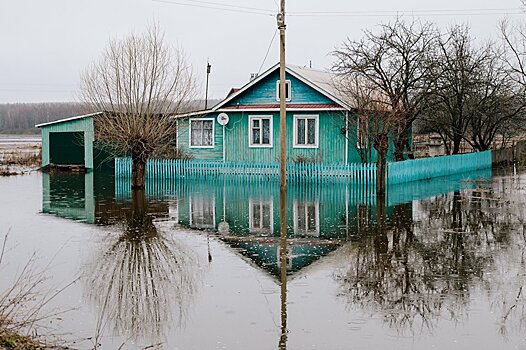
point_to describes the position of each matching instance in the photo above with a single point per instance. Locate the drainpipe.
(224, 150)
(346, 137)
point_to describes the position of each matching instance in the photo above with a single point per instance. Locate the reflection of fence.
(296, 172)
(427, 168)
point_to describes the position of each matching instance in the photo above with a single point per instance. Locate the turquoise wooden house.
(317, 122)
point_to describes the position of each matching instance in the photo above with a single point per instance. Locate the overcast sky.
(45, 45)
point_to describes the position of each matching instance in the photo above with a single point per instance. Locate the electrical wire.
(268, 50)
(218, 6)
(430, 12)
(371, 13)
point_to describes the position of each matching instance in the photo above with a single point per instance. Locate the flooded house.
(322, 125)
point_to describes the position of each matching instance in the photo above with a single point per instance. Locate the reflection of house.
(89, 198)
(261, 216)
(202, 212)
(306, 218)
(253, 220)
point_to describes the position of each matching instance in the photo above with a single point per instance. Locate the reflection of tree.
(416, 273)
(142, 277)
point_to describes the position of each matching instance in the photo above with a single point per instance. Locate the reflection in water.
(414, 264)
(420, 268)
(283, 256)
(143, 278)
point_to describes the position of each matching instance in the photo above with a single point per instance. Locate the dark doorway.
(66, 148)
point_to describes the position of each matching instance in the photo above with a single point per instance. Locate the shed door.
(66, 147)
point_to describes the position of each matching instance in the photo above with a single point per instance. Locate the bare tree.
(396, 61)
(374, 121)
(460, 78)
(500, 106)
(138, 84)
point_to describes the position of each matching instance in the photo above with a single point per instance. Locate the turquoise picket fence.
(427, 168)
(296, 172)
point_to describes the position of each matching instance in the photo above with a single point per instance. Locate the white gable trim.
(291, 72)
(68, 119)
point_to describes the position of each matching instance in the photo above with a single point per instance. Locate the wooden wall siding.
(331, 144)
(83, 125)
(265, 93)
(183, 140)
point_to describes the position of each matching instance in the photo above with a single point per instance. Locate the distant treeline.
(21, 118)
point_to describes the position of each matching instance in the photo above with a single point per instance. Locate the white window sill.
(201, 147)
(305, 146)
(260, 146)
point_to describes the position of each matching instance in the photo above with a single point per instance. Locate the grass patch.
(22, 304)
(14, 341)
(21, 159)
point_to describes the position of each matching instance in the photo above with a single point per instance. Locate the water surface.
(199, 264)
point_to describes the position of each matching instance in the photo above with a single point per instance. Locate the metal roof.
(65, 120)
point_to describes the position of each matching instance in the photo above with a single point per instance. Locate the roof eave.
(65, 120)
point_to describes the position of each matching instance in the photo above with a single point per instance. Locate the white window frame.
(261, 230)
(202, 200)
(190, 132)
(271, 126)
(288, 87)
(316, 131)
(302, 206)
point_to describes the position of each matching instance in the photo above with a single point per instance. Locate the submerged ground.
(196, 264)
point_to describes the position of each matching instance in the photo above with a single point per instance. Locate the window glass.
(306, 130)
(266, 131)
(260, 131)
(301, 131)
(287, 90)
(311, 131)
(201, 133)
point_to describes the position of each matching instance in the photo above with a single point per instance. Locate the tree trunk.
(456, 144)
(381, 174)
(400, 144)
(138, 173)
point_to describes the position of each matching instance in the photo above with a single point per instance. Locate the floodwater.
(201, 265)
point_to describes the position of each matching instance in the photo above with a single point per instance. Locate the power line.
(364, 13)
(430, 12)
(268, 50)
(218, 6)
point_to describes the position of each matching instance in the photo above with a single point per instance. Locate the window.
(306, 131)
(288, 90)
(261, 219)
(202, 212)
(306, 218)
(260, 131)
(202, 133)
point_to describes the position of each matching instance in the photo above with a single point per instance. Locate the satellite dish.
(223, 119)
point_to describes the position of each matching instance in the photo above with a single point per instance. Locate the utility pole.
(208, 69)
(282, 100)
(282, 345)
